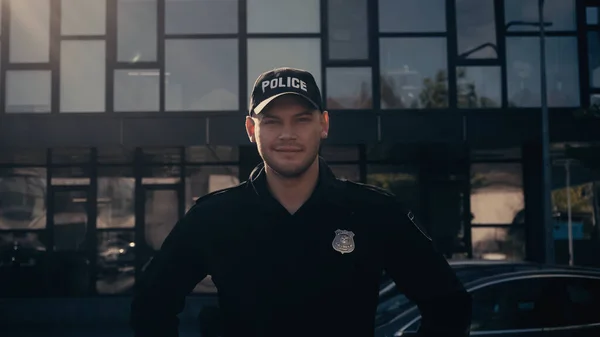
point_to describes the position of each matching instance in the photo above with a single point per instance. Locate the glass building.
(116, 115)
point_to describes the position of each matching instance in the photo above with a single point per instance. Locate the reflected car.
(510, 299)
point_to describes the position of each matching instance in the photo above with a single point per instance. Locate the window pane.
(498, 243)
(402, 180)
(349, 88)
(23, 269)
(28, 91)
(333, 153)
(523, 73)
(137, 90)
(561, 13)
(136, 30)
(412, 16)
(595, 101)
(211, 154)
(348, 31)
(160, 215)
(476, 28)
(115, 262)
(594, 58)
(202, 74)
(82, 76)
(592, 15)
(267, 54)
(30, 31)
(83, 17)
(116, 195)
(23, 198)
(409, 80)
(202, 180)
(201, 16)
(283, 16)
(479, 87)
(497, 193)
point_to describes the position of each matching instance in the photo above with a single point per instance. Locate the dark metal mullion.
(279, 35)
(452, 53)
(49, 224)
(160, 49)
(55, 48)
(181, 186)
(583, 57)
(477, 62)
(111, 54)
(200, 36)
(82, 37)
(140, 198)
(92, 213)
(501, 45)
(4, 45)
(373, 34)
(30, 66)
(324, 49)
(411, 34)
(243, 57)
(137, 65)
(537, 33)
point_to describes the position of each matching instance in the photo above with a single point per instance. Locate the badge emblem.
(343, 241)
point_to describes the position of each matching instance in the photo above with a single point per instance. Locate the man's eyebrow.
(304, 113)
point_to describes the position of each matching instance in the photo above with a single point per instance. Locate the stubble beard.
(291, 172)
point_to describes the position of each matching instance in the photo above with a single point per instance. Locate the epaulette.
(212, 194)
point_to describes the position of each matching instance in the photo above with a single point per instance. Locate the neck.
(292, 193)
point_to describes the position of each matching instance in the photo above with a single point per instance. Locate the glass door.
(71, 241)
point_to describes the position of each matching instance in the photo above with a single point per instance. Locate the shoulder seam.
(218, 192)
(371, 188)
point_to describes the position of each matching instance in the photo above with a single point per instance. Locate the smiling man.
(293, 251)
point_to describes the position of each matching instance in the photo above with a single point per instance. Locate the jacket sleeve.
(171, 275)
(425, 277)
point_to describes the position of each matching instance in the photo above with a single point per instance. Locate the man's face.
(288, 133)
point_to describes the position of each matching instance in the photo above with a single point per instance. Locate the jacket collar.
(328, 188)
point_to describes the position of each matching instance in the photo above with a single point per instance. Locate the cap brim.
(260, 107)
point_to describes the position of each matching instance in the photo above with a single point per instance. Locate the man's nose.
(287, 132)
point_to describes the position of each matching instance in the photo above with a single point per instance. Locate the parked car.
(510, 299)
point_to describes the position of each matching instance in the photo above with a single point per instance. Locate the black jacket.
(279, 274)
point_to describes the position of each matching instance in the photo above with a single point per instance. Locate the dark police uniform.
(312, 273)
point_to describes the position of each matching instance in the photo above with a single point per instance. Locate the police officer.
(293, 251)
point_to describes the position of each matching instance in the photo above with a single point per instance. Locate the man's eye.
(305, 120)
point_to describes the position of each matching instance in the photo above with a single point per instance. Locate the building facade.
(116, 115)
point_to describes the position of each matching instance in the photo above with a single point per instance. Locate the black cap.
(284, 81)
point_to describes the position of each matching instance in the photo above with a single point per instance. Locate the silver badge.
(343, 241)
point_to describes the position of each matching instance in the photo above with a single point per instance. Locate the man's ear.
(250, 129)
(324, 124)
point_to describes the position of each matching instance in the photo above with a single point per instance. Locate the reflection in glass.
(28, 91)
(593, 39)
(23, 198)
(136, 30)
(561, 13)
(82, 76)
(523, 73)
(592, 15)
(266, 54)
(409, 80)
(496, 193)
(498, 243)
(137, 90)
(70, 220)
(412, 16)
(283, 16)
(83, 17)
(22, 268)
(583, 194)
(400, 180)
(116, 206)
(160, 215)
(348, 31)
(201, 17)
(29, 31)
(202, 74)
(476, 26)
(347, 172)
(478, 87)
(349, 88)
(115, 262)
(202, 180)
